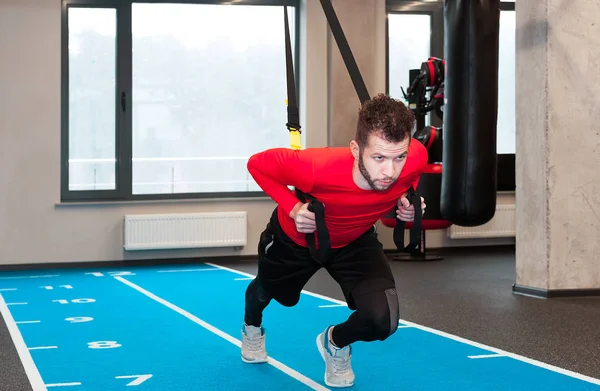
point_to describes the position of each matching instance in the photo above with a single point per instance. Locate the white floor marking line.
(527, 360)
(332, 305)
(28, 321)
(243, 279)
(186, 270)
(7, 289)
(43, 347)
(139, 379)
(63, 384)
(35, 379)
(404, 326)
(282, 367)
(21, 277)
(16, 303)
(487, 356)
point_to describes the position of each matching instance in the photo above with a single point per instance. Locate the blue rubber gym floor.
(172, 328)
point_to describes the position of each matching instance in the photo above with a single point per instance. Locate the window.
(409, 45)
(413, 35)
(91, 94)
(169, 100)
(506, 82)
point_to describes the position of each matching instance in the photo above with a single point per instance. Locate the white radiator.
(502, 225)
(185, 230)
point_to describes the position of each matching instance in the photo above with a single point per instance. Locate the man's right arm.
(277, 168)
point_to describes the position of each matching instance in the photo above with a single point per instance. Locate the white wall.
(36, 228)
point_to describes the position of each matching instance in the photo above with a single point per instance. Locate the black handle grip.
(123, 101)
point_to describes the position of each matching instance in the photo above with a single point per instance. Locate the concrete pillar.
(558, 147)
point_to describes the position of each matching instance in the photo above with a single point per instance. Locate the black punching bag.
(469, 179)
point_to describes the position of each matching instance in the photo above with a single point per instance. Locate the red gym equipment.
(429, 79)
(429, 188)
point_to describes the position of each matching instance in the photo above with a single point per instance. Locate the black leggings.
(360, 268)
(375, 318)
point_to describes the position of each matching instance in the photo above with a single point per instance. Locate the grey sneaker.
(338, 370)
(253, 345)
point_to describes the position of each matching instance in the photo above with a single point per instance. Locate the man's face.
(380, 162)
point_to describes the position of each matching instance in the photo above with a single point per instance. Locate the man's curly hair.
(384, 115)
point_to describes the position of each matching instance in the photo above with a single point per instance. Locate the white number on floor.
(60, 286)
(79, 319)
(104, 345)
(78, 301)
(98, 274)
(139, 379)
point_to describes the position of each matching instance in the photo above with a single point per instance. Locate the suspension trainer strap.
(293, 125)
(363, 95)
(293, 114)
(320, 254)
(340, 38)
(415, 232)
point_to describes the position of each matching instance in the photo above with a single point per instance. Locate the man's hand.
(305, 219)
(406, 211)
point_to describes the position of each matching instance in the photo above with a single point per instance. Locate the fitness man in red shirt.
(357, 186)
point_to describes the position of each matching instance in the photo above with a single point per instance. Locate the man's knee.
(288, 300)
(384, 315)
(380, 311)
(264, 292)
(256, 292)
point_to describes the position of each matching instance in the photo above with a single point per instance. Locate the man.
(357, 186)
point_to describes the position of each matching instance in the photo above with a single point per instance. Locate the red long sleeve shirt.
(326, 174)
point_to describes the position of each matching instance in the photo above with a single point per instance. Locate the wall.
(36, 228)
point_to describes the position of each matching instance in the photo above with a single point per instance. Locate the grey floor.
(467, 294)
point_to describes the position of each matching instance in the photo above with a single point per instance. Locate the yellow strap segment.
(295, 141)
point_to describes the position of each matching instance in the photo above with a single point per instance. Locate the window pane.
(92, 83)
(209, 90)
(409, 43)
(506, 84)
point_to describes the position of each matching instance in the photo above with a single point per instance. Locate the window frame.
(506, 162)
(436, 45)
(123, 88)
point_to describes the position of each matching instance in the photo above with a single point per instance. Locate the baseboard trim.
(485, 249)
(554, 293)
(126, 263)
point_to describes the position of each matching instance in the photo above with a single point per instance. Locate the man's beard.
(367, 176)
